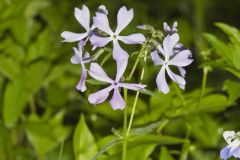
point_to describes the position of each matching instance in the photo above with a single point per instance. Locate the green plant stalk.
(204, 81)
(124, 150)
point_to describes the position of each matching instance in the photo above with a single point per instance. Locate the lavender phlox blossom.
(233, 147)
(180, 59)
(124, 17)
(117, 101)
(78, 58)
(83, 17)
(170, 30)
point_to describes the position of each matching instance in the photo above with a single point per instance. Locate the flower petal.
(102, 23)
(121, 67)
(132, 86)
(102, 9)
(228, 136)
(83, 16)
(161, 81)
(73, 37)
(98, 73)
(157, 60)
(118, 53)
(168, 43)
(236, 152)
(77, 57)
(176, 78)
(182, 71)
(99, 96)
(117, 101)
(181, 59)
(133, 38)
(100, 41)
(225, 153)
(81, 84)
(124, 17)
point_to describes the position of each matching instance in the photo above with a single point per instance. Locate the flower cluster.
(168, 54)
(101, 24)
(233, 147)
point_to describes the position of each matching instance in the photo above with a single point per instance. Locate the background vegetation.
(43, 116)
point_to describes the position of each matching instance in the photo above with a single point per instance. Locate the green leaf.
(107, 146)
(231, 31)
(232, 88)
(40, 48)
(41, 134)
(165, 155)
(8, 67)
(14, 102)
(84, 145)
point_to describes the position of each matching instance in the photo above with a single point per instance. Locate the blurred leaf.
(165, 155)
(232, 88)
(41, 47)
(36, 74)
(233, 32)
(39, 135)
(83, 141)
(15, 99)
(8, 67)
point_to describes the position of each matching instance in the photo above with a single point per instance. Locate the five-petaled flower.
(117, 101)
(78, 58)
(233, 147)
(83, 17)
(171, 58)
(124, 17)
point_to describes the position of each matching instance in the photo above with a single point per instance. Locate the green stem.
(125, 128)
(204, 81)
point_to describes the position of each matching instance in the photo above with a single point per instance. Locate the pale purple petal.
(81, 84)
(102, 9)
(118, 53)
(100, 96)
(182, 71)
(166, 27)
(236, 152)
(124, 17)
(132, 86)
(229, 136)
(102, 23)
(161, 81)
(86, 58)
(121, 67)
(77, 57)
(181, 59)
(100, 41)
(157, 60)
(73, 37)
(176, 78)
(168, 44)
(117, 101)
(133, 38)
(224, 154)
(174, 27)
(83, 16)
(98, 73)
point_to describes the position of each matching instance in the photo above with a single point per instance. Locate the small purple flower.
(233, 147)
(117, 101)
(83, 17)
(124, 17)
(180, 59)
(78, 58)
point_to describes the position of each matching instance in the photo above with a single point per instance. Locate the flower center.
(115, 83)
(114, 36)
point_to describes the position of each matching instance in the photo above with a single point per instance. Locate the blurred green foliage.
(43, 117)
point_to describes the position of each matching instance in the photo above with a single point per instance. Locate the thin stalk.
(203, 88)
(125, 128)
(61, 150)
(124, 153)
(135, 102)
